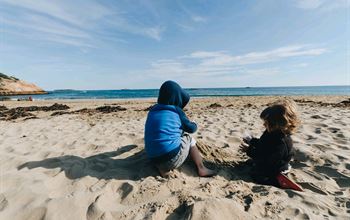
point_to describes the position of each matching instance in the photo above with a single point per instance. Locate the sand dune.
(91, 164)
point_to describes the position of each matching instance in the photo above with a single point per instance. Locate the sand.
(90, 164)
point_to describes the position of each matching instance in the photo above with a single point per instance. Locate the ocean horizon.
(194, 92)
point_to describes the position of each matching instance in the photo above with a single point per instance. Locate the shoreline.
(192, 98)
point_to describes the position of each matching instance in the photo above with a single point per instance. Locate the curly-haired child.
(272, 152)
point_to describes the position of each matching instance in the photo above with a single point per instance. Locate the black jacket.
(271, 153)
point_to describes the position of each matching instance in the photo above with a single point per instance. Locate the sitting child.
(272, 152)
(166, 143)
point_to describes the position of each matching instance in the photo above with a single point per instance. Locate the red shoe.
(286, 183)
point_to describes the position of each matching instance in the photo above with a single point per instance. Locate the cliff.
(10, 85)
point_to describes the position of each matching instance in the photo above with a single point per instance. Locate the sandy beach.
(84, 159)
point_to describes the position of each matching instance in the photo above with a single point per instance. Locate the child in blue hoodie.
(167, 142)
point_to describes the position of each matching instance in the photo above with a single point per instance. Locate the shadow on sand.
(114, 165)
(101, 166)
(233, 170)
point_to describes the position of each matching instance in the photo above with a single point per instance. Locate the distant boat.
(248, 87)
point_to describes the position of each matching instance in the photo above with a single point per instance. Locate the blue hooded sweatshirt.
(166, 123)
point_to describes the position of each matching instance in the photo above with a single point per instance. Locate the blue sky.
(86, 44)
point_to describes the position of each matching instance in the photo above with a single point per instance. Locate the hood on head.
(171, 93)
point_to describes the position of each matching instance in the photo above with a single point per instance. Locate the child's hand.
(247, 137)
(246, 140)
(244, 146)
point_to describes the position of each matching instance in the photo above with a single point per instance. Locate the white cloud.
(193, 16)
(206, 54)
(308, 4)
(187, 19)
(78, 12)
(324, 5)
(220, 64)
(221, 58)
(197, 18)
(301, 65)
(38, 23)
(123, 25)
(69, 22)
(262, 72)
(153, 32)
(185, 27)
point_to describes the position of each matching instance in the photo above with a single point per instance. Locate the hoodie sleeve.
(256, 147)
(187, 125)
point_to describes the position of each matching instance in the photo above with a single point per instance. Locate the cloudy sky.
(90, 44)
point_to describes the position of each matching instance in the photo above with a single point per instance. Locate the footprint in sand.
(103, 205)
(313, 188)
(298, 213)
(248, 199)
(341, 179)
(316, 117)
(3, 202)
(94, 212)
(98, 186)
(37, 213)
(310, 137)
(347, 166)
(343, 202)
(301, 156)
(314, 174)
(333, 130)
(125, 189)
(340, 157)
(340, 135)
(262, 190)
(318, 130)
(298, 164)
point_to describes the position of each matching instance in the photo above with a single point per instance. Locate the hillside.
(10, 85)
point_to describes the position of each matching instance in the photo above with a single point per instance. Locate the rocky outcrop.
(12, 86)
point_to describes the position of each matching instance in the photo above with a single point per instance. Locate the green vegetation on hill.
(3, 76)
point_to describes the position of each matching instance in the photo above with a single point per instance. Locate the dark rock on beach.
(21, 112)
(215, 105)
(109, 109)
(53, 107)
(145, 109)
(14, 113)
(102, 109)
(3, 108)
(344, 104)
(248, 105)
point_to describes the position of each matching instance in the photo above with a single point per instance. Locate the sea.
(194, 92)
